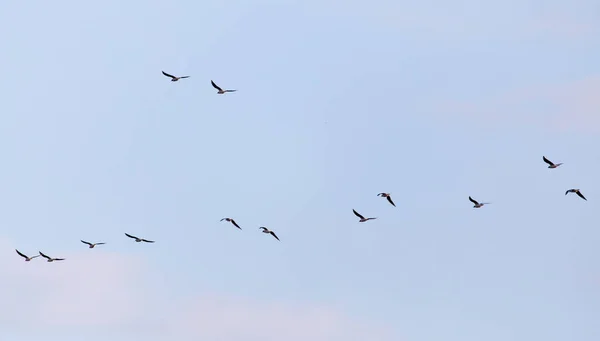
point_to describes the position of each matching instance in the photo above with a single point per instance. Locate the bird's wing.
(274, 235)
(168, 75)
(473, 201)
(83, 241)
(581, 195)
(34, 256)
(43, 255)
(263, 228)
(230, 90)
(59, 259)
(357, 214)
(147, 241)
(389, 198)
(20, 254)
(215, 86)
(100, 243)
(547, 161)
(130, 236)
(567, 192)
(380, 194)
(184, 77)
(223, 219)
(235, 224)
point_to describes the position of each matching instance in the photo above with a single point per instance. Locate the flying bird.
(576, 191)
(27, 259)
(221, 91)
(552, 164)
(232, 221)
(173, 78)
(389, 198)
(477, 204)
(92, 245)
(266, 230)
(362, 219)
(139, 239)
(50, 259)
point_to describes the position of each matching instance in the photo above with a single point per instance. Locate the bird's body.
(27, 259)
(478, 204)
(362, 218)
(232, 221)
(50, 259)
(220, 91)
(139, 239)
(173, 78)
(388, 196)
(91, 245)
(550, 163)
(266, 230)
(576, 191)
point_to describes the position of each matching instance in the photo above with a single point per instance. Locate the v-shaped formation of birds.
(362, 219)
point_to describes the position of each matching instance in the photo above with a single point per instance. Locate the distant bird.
(576, 191)
(232, 221)
(173, 78)
(92, 245)
(478, 205)
(27, 259)
(50, 259)
(139, 239)
(362, 219)
(266, 230)
(221, 91)
(552, 165)
(389, 198)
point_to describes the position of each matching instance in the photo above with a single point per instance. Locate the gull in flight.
(139, 239)
(221, 91)
(552, 164)
(389, 198)
(50, 259)
(362, 219)
(477, 204)
(232, 221)
(173, 78)
(576, 191)
(92, 245)
(266, 230)
(27, 259)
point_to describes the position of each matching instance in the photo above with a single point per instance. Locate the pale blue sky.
(337, 101)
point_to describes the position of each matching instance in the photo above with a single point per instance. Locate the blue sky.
(337, 101)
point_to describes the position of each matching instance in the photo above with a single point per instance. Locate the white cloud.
(111, 295)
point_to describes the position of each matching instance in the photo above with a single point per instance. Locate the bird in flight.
(50, 259)
(266, 230)
(552, 164)
(139, 239)
(232, 221)
(92, 245)
(173, 78)
(477, 204)
(27, 259)
(576, 191)
(220, 91)
(388, 196)
(362, 219)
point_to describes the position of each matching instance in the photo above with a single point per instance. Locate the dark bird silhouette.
(50, 259)
(139, 239)
(266, 230)
(576, 191)
(477, 204)
(388, 196)
(27, 259)
(362, 219)
(92, 245)
(220, 91)
(552, 165)
(232, 221)
(173, 78)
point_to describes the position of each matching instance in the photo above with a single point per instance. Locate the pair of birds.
(264, 229)
(362, 218)
(28, 259)
(220, 91)
(572, 190)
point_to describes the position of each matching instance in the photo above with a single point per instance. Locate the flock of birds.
(362, 219)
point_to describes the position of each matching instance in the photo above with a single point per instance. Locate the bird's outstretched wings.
(473, 201)
(88, 243)
(357, 214)
(547, 161)
(168, 75)
(20, 254)
(130, 236)
(147, 241)
(215, 86)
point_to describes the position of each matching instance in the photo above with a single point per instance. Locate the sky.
(431, 101)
